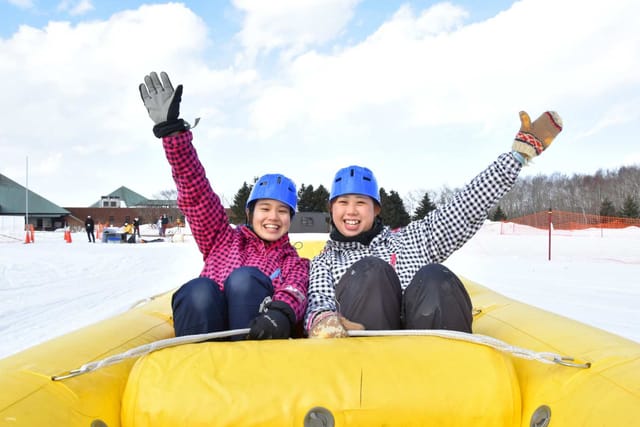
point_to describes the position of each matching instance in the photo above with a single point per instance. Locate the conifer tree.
(607, 208)
(498, 215)
(630, 208)
(425, 206)
(393, 212)
(305, 198)
(310, 200)
(238, 215)
(321, 199)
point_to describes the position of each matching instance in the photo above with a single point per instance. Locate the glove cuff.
(170, 126)
(285, 309)
(527, 144)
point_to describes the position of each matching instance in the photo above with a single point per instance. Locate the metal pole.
(26, 198)
(550, 224)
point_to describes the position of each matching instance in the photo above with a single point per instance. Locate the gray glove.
(163, 104)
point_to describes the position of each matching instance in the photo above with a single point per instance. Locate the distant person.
(127, 235)
(136, 226)
(164, 224)
(89, 225)
(371, 277)
(252, 276)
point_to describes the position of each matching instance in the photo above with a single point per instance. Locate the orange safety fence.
(562, 220)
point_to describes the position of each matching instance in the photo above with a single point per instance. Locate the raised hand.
(163, 104)
(534, 138)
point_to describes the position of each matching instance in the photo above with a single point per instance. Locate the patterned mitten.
(327, 325)
(535, 137)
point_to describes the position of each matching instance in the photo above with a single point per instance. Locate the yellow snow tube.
(386, 381)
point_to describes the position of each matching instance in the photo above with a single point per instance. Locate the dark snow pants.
(200, 306)
(370, 293)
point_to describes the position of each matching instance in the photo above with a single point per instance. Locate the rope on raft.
(544, 357)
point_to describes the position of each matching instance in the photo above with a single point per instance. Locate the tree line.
(607, 192)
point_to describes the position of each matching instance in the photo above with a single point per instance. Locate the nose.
(272, 214)
(351, 208)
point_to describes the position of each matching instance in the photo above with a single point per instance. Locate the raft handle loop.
(457, 335)
(147, 348)
(488, 341)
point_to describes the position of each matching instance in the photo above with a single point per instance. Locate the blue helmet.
(355, 180)
(277, 187)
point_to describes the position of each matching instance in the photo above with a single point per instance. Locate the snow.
(51, 287)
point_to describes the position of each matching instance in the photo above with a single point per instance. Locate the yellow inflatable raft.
(432, 380)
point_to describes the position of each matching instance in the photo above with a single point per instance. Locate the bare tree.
(170, 194)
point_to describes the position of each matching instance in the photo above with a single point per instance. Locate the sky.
(424, 93)
(592, 276)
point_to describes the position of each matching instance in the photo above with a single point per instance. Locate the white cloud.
(76, 86)
(81, 8)
(426, 82)
(424, 91)
(292, 25)
(432, 70)
(75, 7)
(23, 4)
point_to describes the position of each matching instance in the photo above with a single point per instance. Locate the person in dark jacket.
(252, 276)
(164, 223)
(371, 277)
(89, 225)
(136, 226)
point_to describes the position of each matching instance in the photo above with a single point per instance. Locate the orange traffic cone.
(27, 238)
(33, 236)
(67, 235)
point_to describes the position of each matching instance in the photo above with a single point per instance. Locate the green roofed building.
(126, 198)
(43, 214)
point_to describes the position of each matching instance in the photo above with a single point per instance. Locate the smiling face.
(270, 220)
(353, 214)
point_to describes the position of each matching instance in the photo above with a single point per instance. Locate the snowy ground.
(52, 287)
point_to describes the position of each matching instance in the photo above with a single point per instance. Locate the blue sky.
(424, 93)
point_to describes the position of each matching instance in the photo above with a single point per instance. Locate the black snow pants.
(370, 293)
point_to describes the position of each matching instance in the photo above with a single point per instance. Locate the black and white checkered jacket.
(428, 240)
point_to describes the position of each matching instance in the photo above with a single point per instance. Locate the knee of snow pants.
(199, 307)
(437, 299)
(245, 289)
(369, 293)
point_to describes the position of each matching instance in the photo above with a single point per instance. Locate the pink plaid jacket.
(225, 248)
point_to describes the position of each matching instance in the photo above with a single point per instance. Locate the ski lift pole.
(550, 225)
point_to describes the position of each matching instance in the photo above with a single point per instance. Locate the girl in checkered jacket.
(371, 277)
(252, 276)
